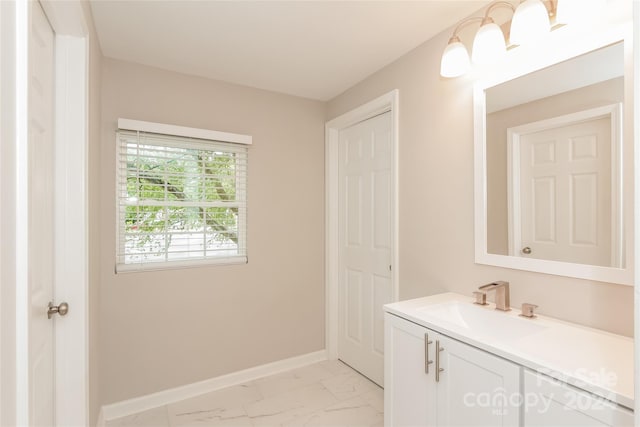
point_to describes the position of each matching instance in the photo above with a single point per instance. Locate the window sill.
(173, 265)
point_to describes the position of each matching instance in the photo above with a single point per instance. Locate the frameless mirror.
(552, 184)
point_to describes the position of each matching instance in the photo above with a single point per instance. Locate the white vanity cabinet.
(500, 369)
(474, 388)
(550, 402)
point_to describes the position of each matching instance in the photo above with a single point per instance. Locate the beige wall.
(597, 95)
(168, 328)
(95, 62)
(436, 220)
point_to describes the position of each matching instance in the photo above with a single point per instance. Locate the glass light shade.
(569, 11)
(488, 45)
(455, 60)
(530, 21)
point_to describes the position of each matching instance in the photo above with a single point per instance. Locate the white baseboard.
(165, 397)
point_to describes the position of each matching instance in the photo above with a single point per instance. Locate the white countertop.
(590, 359)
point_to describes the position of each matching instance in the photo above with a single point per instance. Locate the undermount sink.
(483, 320)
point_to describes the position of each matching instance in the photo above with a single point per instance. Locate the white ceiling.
(312, 49)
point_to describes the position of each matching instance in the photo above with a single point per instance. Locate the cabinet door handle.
(427, 362)
(438, 368)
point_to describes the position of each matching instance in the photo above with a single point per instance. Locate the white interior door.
(365, 243)
(565, 193)
(40, 217)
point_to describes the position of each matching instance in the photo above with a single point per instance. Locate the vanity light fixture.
(455, 58)
(489, 45)
(531, 19)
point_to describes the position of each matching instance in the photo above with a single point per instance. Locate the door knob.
(526, 250)
(61, 309)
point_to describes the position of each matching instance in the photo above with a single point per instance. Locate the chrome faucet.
(502, 294)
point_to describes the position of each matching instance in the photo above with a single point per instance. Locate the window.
(181, 196)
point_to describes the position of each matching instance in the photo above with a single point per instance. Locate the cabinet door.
(476, 388)
(550, 402)
(409, 392)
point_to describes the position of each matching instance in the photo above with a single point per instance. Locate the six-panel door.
(365, 243)
(565, 193)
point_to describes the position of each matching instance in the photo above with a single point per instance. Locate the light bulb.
(488, 45)
(530, 21)
(455, 59)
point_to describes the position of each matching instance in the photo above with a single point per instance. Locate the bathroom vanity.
(451, 362)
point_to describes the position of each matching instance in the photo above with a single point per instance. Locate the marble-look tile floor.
(327, 394)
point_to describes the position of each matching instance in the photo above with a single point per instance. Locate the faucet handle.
(481, 298)
(527, 310)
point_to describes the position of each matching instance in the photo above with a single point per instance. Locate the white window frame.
(177, 131)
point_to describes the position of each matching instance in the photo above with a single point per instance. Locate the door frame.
(514, 203)
(386, 103)
(635, 52)
(71, 206)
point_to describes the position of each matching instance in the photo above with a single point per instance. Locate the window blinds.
(181, 201)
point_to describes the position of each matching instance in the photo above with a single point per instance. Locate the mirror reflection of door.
(586, 82)
(562, 195)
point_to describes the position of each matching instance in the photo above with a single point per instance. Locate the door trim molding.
(71, 122)
(71, 227)
(382, 104)
(8, 271)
